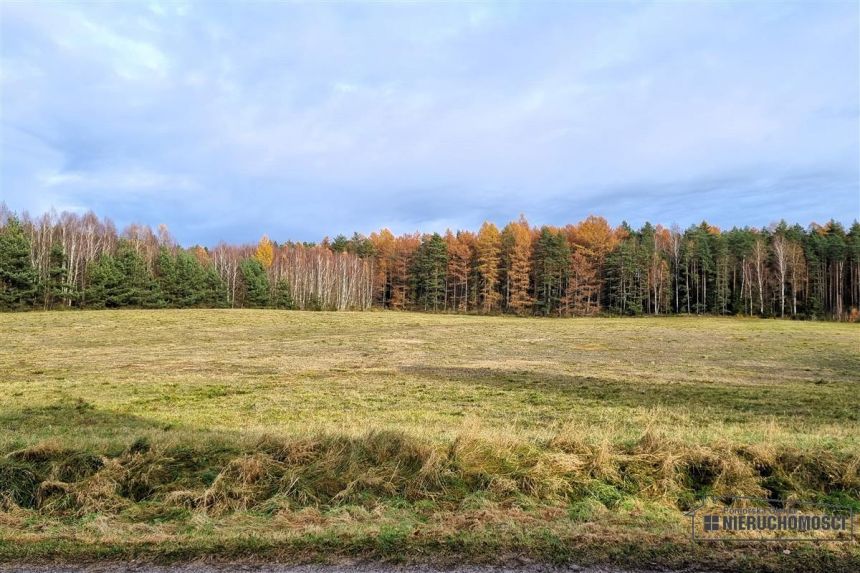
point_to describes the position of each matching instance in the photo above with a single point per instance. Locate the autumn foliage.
(586, 268)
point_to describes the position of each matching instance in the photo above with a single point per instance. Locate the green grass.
(169, 434)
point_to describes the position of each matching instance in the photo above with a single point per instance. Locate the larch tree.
(265, 252)
(459, 266)
(517, 256)
(384, 248)
(591, 241)
(488, 251)
(404, 251)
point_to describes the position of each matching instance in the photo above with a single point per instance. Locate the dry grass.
(173, 432)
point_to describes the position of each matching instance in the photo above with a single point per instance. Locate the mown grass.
(170, 434)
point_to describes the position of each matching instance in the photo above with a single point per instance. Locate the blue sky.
(228, 120)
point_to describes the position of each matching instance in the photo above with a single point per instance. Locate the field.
(298, 435)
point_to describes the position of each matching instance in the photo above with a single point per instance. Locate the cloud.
(300, 120)
(136, 180)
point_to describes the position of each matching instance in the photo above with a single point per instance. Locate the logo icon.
(712, 522)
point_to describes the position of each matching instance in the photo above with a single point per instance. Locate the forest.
(69, 260)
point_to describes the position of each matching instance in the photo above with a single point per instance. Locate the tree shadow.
(40, 434)
(810, 402)
(74, 415)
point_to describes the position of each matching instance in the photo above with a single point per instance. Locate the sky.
(302, 120)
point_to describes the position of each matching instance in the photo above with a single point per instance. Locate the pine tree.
(740, 246)
(283, 297)
(853, 245)
(255, 282)
(215, 294)
(837, 253)
(361, 246)
(722, 291)
(621, 265)
(122, 280)
(55, 288)
(815, 251)
(168, 277)
(340, 244)
(19, 280)
(192, 280)
(184, 282)
(429, 272)
(552, 256)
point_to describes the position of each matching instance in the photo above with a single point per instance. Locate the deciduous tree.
(488, 250)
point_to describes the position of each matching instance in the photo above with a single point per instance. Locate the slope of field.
(170, 434)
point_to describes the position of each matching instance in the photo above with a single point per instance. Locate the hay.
(329, 471)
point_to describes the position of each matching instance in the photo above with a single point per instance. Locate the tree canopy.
(785, 270)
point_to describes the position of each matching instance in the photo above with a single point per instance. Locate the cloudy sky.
(227, 120)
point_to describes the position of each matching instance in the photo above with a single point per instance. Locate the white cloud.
(127, 180)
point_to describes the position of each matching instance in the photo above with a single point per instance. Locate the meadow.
(257, 434)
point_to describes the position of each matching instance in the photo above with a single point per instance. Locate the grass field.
(292, 435)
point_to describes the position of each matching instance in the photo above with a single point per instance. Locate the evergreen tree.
(340, 244)
(361, 246)
(552, 256)
(739, 243)
(184, 282)
(429, 272)
(702, 266)
(853, 246)
(215, 293)
(621, 272)
(283, 297)
(19, 281)
(104, 283)
(255, 282)
(122, 281)
(815, 251)
(54, 288)
(192, 280)
(719, 250)
(168, 277)
(837, 253)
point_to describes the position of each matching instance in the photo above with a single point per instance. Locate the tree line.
(81, 261)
